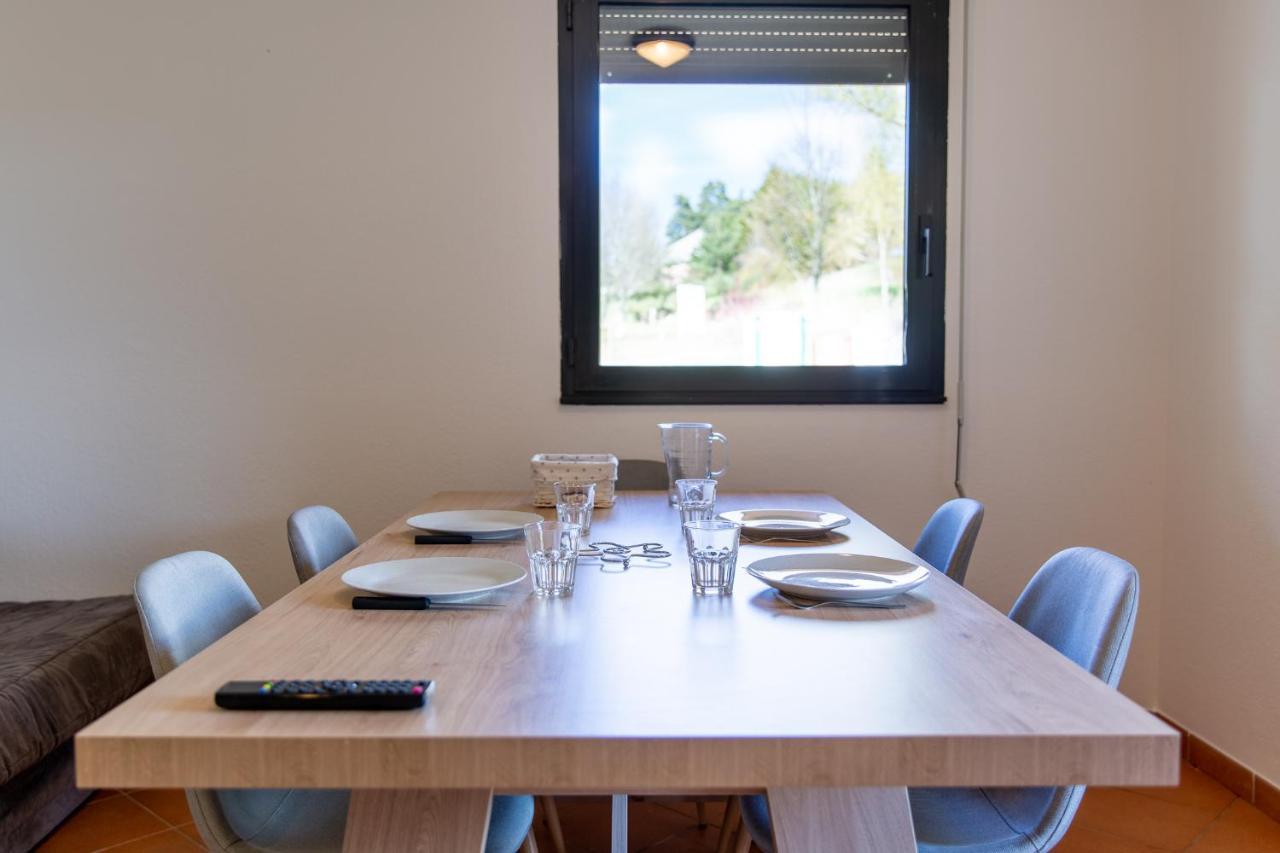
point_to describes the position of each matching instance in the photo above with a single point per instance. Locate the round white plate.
(839, 577)
(476, 523)
(792, 523)
(440, 578)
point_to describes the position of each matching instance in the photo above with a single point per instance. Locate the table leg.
(619, 840)
(841, 820)
(420, 820)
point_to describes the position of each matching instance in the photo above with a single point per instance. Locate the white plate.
(441, 578)
(476, 523)
(839, 577)
(792, 523)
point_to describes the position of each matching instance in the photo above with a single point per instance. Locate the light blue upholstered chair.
(947, 541)
(318, 537)
(1083, 602)
(187, 602)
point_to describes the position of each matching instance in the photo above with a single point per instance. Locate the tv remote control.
(322, 695)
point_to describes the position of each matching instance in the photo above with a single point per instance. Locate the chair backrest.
(186, 602)
(318, 537)
(1084, 603)
(947, 541)
(642, 475)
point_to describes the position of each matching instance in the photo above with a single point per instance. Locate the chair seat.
(284, 820)
(993, 820)
(315, 820)
(962, 819)
(951, 819)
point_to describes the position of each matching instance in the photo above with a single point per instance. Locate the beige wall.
(1064, 374)
(1220, 627)
(255, 255)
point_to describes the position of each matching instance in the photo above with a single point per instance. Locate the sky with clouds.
(660, 140)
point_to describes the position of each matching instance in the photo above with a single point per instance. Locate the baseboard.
(1231, 774)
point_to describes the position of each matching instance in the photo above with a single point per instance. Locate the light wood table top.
(633, 684)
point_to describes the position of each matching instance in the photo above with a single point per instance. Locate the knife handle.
(441, 539)
(384, 602)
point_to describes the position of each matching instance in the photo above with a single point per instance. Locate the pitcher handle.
(715, 436)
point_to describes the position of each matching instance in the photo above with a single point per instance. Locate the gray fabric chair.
(1083, 602)
(188, 601)
(947, 541)
(642, 475)
(318, 537)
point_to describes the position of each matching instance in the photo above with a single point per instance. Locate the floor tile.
(104, 794)
(586, 824)
(1146, 820)
(189, 830)
(648, 824)
(713, 807)
(676, 804)
(1081, 839)
(169, 841)
(169, 803)
(1194, 789)
(691, 840)
(101, 824)
(1240, 829)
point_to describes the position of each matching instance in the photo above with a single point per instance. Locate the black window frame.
(920, 380)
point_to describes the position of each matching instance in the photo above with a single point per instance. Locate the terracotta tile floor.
(127, 822)
(1199, 815)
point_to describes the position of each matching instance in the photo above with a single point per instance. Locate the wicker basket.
(552, 468)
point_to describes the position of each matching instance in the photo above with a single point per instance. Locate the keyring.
(613, 552)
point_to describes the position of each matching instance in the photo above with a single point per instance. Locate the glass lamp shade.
(663, 52)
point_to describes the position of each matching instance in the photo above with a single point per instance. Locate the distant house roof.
(681, 251)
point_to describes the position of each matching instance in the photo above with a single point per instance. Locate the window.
(752, 202)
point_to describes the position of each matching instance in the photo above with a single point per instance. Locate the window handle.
(926, 247)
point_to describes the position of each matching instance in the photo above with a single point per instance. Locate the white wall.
(1064, 373)
(259, 255)
(1220, 656)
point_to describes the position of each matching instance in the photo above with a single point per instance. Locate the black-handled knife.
(414, 602)
(441, 539)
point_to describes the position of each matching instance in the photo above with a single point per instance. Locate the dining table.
(634, 685)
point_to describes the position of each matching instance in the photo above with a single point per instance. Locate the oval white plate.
(839, 577)
(441, 578)
(476, 523)
(792, 523)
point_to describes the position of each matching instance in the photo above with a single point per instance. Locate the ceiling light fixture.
(663, 47)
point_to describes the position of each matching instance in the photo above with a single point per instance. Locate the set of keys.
(621, 555)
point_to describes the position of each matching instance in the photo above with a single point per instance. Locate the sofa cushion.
(62, 665)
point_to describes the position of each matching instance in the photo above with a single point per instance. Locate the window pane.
(756, 224)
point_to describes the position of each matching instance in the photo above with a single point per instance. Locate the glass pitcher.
(687, 449)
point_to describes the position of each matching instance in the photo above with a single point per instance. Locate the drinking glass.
(574, 502)
(713, 555)
(696, 499)
(552, 547)
(686, 447)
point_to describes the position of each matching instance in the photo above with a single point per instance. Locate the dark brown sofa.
(62, 665)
